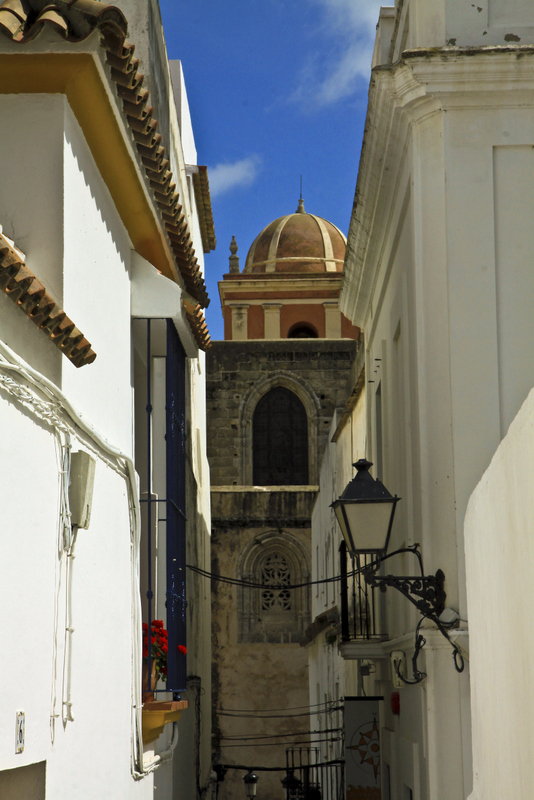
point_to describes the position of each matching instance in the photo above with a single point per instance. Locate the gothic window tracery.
(271, 612)
(275, 572)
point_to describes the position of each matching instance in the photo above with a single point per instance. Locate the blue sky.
(277, 88)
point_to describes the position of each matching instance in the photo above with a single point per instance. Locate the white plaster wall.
(29, 498)
(330, 676)
(92, 753)
(183, 112)
(31, 209)
(464, 24)
(499, 546)
(96, 292)
(58, 211)
(65, 222)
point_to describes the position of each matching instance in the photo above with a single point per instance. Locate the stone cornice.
(281, 283)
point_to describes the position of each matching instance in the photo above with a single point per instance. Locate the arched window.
(271, 612)
(280, 440)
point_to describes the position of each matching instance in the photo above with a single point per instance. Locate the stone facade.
(262, 533)
(239, 373)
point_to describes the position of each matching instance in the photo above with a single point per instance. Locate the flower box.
(157, 714)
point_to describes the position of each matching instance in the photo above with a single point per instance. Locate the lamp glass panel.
(341, 519)
(369, 525)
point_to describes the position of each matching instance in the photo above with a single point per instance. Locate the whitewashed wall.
(56, 207)
(499, 542)
(58, 210)
(96, 291)
(34, 581)
(330, 676)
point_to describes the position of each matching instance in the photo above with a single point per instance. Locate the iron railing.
(362, 606)
(309, 778)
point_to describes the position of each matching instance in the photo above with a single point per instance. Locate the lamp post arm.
(431, 603)
(428, 589)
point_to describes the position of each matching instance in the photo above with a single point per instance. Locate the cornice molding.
(425, 82)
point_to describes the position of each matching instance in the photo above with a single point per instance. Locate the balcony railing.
(311, 778)
(362, 606)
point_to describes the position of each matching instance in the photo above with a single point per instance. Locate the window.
(272, 613)
(379, 434)
(280, 440)
(160, 397)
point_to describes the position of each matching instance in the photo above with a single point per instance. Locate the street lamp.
(251, 783)
(365, 514)
(292, 785)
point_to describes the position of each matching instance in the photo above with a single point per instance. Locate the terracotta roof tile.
(23, 20)
(205, 212)
(195, 317)
(26, 291)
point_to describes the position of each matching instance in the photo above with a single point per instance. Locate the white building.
(105, 216)
(438, 276)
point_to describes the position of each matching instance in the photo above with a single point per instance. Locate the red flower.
(182, 648)
(157, 636)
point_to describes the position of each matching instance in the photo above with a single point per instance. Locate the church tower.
(290, 284)
(272, 390)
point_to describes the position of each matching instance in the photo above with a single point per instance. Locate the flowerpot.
(148, 689)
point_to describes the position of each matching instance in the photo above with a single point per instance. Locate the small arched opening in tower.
(302, 330)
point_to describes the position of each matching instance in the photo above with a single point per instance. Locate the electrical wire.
(256, 711)
(276, 716)
(245, 737)
(253, 585)
(279, 769)
(282, 744)
(420, 642)
(372, 566)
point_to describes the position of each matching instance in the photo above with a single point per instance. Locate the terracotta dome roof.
(298, 242)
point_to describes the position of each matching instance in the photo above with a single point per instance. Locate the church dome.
(298, 242)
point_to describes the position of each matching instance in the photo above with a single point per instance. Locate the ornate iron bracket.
(428, 588)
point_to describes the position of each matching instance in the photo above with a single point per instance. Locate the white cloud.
(224, 177)
(347, 36)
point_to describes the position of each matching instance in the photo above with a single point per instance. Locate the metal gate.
(307, 778)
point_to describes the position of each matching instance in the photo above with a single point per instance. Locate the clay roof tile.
(20, 285)
(74, 20)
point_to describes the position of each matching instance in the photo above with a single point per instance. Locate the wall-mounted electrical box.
(82, 481)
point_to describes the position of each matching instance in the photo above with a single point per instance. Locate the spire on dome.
(234, 258)
(301, 209)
